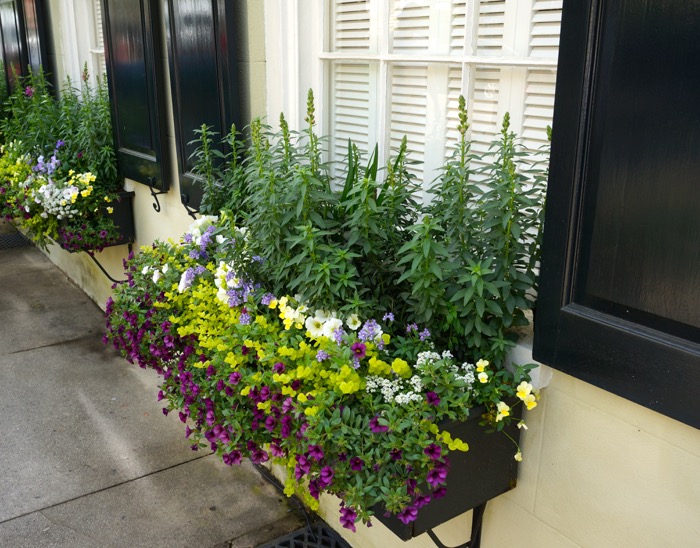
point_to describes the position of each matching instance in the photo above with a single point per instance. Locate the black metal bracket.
(154, 194)
(102, 268)
(191, 211)
(475, 540)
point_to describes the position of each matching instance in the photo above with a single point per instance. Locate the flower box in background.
(476, 476)
(90, 238)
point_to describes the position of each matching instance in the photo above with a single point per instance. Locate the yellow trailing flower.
(503, 411)
(401, 368)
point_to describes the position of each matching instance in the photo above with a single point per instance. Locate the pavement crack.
(49, 345)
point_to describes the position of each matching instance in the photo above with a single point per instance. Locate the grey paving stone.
(200, 503)
(78, 418)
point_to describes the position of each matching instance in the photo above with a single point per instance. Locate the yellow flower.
(524, 389)
(110, 210)
(483, 377)
(401, 368)
(273, 303)
(518, 456)
(503, 410)
(530, 401)
(481, 365)
(245, 391)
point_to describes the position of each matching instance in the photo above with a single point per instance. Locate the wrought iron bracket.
(475, 540)
(102, 268)
(154, 194)
(191, 211)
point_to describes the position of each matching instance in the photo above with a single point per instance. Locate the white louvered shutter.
(539, 94)
(350, 96)
(98, 45)
(408, 113)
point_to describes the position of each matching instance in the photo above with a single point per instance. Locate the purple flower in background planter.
(234, 378)
(259, 456)
(278, 367)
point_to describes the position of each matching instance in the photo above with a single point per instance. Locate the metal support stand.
(191, 211)
(154, 194)
(102, 268)
(475, 540)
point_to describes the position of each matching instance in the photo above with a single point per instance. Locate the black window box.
(486, 470)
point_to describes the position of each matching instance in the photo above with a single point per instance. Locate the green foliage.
(464, 265)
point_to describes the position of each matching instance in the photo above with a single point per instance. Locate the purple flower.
(321, 355)
(369, 331)
(259, 456)
(437, 476)
(276, 450)
(315, 452)
(60, 143)
(439, 493)
(421, 500)
(432, 398)
(408, 514)
(29, 91)
(375, 427)
(314, 488)
(278, 367)
(234, 378)
(160, 395)
(388, 317)
(411, 327)
(359, 350)
(356, 463)
(234, 457)
(425, 334)
(267, 298)
(347, 518)
(302, 467)
(270, 423)
(244, 318)
(433, 451)
(326, 476)
(165, 411)
(396, 454)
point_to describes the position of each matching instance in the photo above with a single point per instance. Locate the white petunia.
(330, 326)
(353, 322)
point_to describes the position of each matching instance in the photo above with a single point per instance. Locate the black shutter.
(619, 302)
(132, 41)
(14, 49)
(203, 76)
(24, 38)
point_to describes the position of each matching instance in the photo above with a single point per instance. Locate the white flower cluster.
(396, 390)
(57, 201)
(325, 323)
(464, 372)
(199, 227)
(225, 279)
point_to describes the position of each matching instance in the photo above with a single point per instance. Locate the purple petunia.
(433, 451)
(234, 457)
(408, 514)
(375, 427)
(437, 476)
(356, 463)
(326, 476)
(432, 398)
(347, 518)
(359, 350)
(278, 367)
(315, 452)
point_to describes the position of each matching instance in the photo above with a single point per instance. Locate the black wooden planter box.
(123, 217)
(487, 470)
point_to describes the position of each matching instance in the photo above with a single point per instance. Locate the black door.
(619, 303)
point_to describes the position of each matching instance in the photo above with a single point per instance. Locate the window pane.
(350, 26)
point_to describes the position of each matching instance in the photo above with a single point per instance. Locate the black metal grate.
(321, 536)
(13, 240)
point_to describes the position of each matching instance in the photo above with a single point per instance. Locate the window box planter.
(123, 217)
(476, 476)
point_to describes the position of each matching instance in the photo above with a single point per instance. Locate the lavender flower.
(425, 334)
(321, 355)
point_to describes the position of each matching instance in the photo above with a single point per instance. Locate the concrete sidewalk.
(87, 458)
